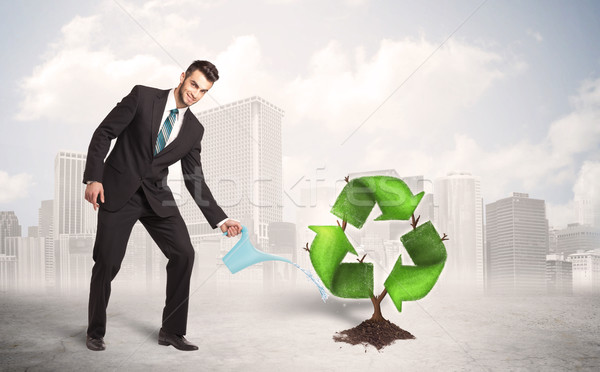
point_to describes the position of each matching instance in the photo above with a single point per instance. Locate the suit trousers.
(171, 236)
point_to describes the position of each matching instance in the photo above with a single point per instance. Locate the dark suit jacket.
(135, 122)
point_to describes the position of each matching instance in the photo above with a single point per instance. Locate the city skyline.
(71, 262)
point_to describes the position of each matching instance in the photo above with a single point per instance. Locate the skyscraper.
(517, 242)
(8, 273)
(9, 227)
(242, 165)
(74, 261)
(33, 232)
(29, 253)
(72, 213)
(586, 271)
(587, 195)
(242, 162)
(73, 217)
(45, 230)
(460, 215)
(559, 274)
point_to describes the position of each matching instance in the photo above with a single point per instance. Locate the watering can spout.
(243, 254)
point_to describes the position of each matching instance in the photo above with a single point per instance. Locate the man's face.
(192, 88)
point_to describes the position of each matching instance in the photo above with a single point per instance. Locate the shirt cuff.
(222, 222)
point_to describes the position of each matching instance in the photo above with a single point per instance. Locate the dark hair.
(206, 68)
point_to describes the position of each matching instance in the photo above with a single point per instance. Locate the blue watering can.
(243, 254)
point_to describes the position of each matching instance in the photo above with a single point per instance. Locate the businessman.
(153, 129)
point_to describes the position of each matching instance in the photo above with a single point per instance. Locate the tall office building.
(242, 165)
(587, 195)
(9, 227)
(242, 162)
(72, 216)
(72, 213)
(553, 240)
(460, 215)
(74, 261)
(517, 242)
(45, 230)
(586, 211)
(577, 237)
(8, 273)
(33, 232)
(559, 274)
(29, 253)
(586, 271)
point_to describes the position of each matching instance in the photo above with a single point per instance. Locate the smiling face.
(191, 89)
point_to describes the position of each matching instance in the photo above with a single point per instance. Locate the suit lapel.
(157, 112)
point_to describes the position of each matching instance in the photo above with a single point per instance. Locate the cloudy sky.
(506, 90)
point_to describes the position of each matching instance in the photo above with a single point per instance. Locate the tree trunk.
(377, 316)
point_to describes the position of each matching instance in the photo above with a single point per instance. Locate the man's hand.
(231, 227)
(92, 191)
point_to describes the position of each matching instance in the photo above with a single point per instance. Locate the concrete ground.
(249, 330)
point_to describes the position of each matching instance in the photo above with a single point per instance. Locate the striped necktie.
(165, 131)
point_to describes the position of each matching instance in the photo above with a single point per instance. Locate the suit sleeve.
(193, 176)
(110, 128)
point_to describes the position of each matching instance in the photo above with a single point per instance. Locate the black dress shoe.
(95, 344)
(178, 342)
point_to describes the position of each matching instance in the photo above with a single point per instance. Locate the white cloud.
(586, 200)
(578, 132)
(14, 187)
(243, 72)
(343, 88)
(551, 161)
(413, 131)
(587, 185)
(67, 90)
(98, 59)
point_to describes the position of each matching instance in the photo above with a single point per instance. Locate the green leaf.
(426, 249)
(327, 251)
(392, 195)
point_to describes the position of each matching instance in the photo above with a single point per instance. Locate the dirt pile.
(377, 333)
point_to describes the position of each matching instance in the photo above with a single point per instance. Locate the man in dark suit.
(153, 129)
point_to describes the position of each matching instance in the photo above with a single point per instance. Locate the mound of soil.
(377, 333)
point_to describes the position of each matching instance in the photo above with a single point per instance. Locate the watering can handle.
(244, 231)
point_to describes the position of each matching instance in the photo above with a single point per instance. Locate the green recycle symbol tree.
(355, 279)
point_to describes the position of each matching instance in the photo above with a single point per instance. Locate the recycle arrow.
(428, 253)
(359, 196)
(343, 279)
